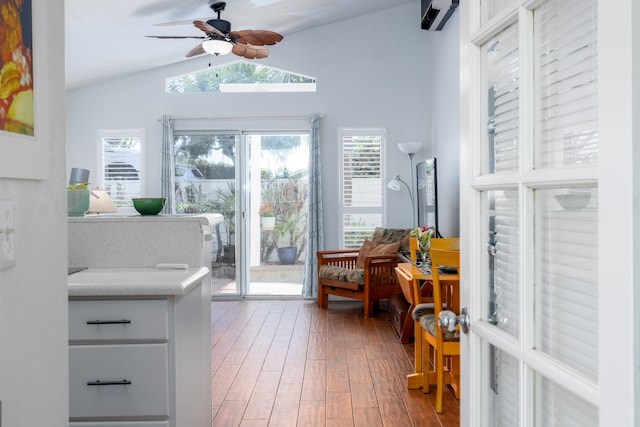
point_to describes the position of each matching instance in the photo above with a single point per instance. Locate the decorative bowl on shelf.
(573, 201)
(148, 205)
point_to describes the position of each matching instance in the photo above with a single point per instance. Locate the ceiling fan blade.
(198, 50)
(177, 37)
(250, 51)
(256, 37)
(209, 29)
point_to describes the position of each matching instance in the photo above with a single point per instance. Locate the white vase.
(268, 222)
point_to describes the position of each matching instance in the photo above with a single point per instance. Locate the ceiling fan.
(220, 40)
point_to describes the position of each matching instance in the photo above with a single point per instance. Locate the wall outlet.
(7, 234)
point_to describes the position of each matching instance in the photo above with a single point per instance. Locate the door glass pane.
(501, 388)
(503, 65)
(567, 55)
(278, 207)
(556, 406)
(205, 182)
(504, 261)
(492, 8)
(566, 303)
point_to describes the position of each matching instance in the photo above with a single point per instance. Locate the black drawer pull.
(108, 322)
(98, 382)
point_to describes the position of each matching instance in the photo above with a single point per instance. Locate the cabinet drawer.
(121, 424)
(118, 320)
(118, 381)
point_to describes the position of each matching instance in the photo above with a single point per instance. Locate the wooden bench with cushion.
(367, 273)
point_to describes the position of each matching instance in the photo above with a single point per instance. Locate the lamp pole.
(410, 148)
(415, 223)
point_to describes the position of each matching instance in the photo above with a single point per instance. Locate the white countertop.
(135, 281)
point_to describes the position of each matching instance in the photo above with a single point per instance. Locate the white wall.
(33, 294)
(444, 132)
(374, 71)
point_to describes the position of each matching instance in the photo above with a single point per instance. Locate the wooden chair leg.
(440, 380)
(368, 308)
(414, 381)
(426, 364)
(407, 330)
(417, 347)
(323, 298)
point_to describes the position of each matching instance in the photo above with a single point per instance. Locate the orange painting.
(16, 67)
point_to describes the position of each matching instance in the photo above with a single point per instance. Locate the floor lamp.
(409, 148)
(394, 185)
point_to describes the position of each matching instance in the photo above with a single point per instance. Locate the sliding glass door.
(258, 181)
(276, 212)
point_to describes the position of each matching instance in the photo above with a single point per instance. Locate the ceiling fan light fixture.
(217, 47)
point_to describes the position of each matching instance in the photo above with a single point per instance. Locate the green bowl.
(149, 205)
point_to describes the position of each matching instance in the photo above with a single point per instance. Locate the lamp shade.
(100, 202)
(394, 184)
(217, 47)
(409, 147)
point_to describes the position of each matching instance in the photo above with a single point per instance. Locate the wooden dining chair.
(444, 343)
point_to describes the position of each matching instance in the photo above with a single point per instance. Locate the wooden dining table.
(422, 276)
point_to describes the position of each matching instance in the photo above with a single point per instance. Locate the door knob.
(448, 320)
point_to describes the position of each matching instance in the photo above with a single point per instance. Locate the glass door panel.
(558, 406)
(566, 301)
(277, 213)
(205, 182)
(501, 388)
(503, 255)
(503, 69)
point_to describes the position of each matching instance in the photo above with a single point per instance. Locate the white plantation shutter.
(362, 190)
(121, 172)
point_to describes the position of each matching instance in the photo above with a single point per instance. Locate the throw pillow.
(370, 248)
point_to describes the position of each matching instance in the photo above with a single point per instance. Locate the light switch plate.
(7, 234)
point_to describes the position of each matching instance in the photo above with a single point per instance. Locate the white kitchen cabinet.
(132, 319)
(136, 353)
(122, 424)
(119, 381)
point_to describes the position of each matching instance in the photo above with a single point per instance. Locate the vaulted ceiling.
(106, 38)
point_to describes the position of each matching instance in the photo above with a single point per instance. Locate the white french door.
(543, 118)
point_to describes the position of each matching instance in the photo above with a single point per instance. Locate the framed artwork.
(24, 146)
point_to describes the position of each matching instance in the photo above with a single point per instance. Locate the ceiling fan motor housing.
(221, 25)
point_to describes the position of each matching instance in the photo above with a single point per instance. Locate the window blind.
(566, 234)
(503, 67)
(568, 309)
(505, 389)
(567, 54)
(505, 313)
(558, 407)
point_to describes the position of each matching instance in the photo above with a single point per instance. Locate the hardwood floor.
(288, 363)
